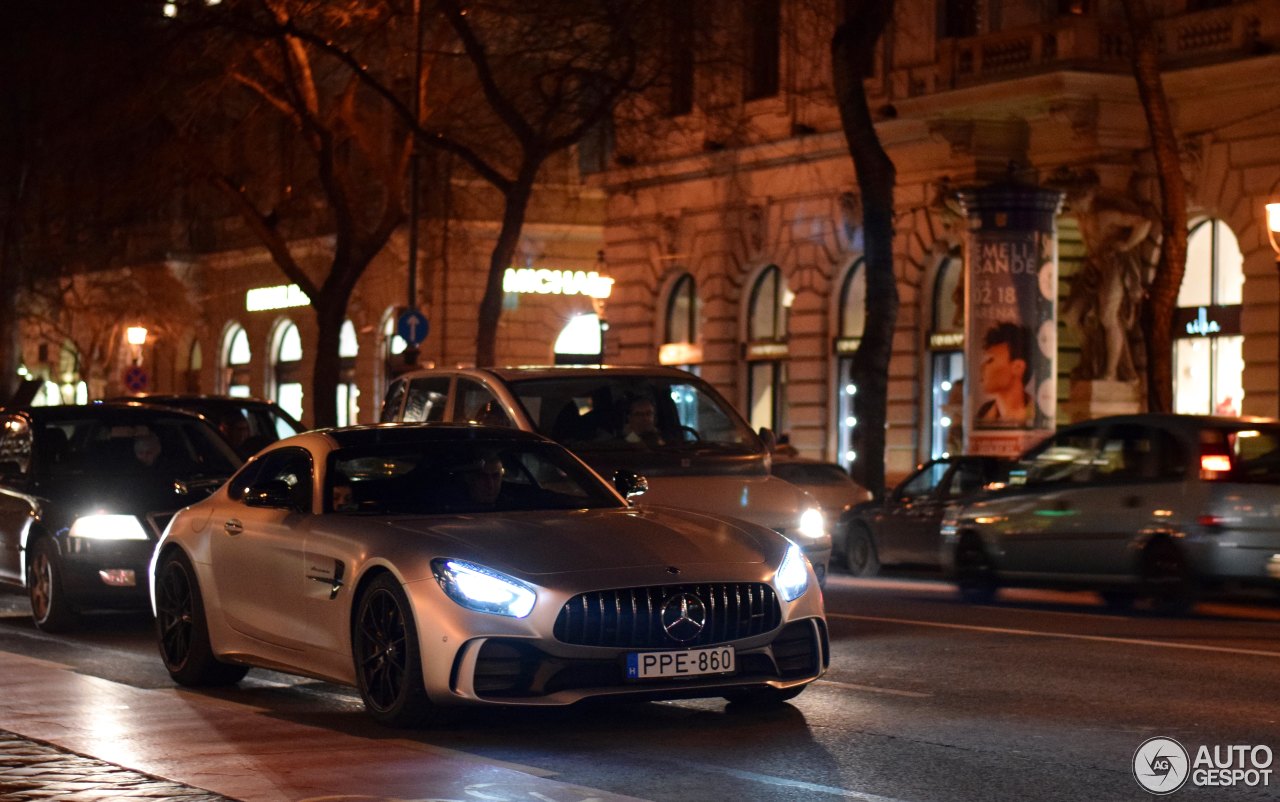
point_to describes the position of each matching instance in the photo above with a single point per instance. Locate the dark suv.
(85, 492)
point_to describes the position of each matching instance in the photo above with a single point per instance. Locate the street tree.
(1162, 293)
(523, 81)
(258, 82)
(853, 47)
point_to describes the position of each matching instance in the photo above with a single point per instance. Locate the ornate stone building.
(733, 223)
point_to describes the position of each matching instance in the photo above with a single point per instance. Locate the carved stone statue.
(1104, 297)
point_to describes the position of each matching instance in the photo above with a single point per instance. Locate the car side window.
(968, 477)
(289, 465)
(15, 448)
(1066, 457)
(1137, 453)
(923, 482)
(473, 403)
(425, 399)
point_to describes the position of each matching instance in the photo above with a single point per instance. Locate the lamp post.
(136, 336)
(1273, 232)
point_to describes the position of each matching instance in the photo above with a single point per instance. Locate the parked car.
(905, 527)
(248, 424)
(442, 565)
(1152, 506)
(85, 492)
(694, 448)
(829, 484)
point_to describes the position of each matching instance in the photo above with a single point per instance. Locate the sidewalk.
(82, 738)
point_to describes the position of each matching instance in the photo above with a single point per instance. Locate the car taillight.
(1210, 521)
(1213, 466)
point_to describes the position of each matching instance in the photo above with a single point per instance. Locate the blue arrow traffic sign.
(412, 326)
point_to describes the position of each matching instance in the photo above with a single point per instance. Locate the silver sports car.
(434, 565)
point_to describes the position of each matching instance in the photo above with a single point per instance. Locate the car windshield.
(634, 412)
(165, 446)
(461, 477)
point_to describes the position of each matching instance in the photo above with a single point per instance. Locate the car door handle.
(233, 527)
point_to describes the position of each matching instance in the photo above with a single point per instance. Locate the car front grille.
(632, 617)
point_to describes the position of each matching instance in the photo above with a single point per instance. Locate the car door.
(15, 504)
(1039, 522)
(259, 552)
(910, 519)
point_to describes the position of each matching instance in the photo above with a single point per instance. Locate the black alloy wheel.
(975, 574)
(388, 665)
(50, 607)
(182, 630)
(860, 555)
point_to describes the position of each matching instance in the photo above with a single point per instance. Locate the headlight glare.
(812, 524)
(484, 590)
(793, 575)
(104, 526)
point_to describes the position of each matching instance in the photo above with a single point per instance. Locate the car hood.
(540, 543)
(764, 500)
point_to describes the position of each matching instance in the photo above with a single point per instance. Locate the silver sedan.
(438, 565)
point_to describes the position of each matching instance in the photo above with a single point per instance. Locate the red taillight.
(1210, 521)
(1217, 463)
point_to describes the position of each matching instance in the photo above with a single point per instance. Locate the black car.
(86, 491)
(904, 527)
(248, 424)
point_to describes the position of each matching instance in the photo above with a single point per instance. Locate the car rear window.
(1254, 452)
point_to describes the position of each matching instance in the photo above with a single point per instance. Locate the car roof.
(119, 410)
(390, 433)
(511, 372)
(218, 402)
(1175, 419)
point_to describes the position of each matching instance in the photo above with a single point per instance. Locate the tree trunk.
(504, 250)
(1162, 296)
(330, 314)
(852, 49)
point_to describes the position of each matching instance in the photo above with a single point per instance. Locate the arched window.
(766, 350)
(286, 368)
(195, 364)
(680, 347)
(235, 362)
(852, 314)
(1209, 343)
(946, 360)
(348, 392)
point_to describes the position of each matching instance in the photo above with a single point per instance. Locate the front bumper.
(83, 562)
(524, 672)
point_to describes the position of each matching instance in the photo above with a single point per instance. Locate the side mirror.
(273, 493)
(770, 439)
(630, 484)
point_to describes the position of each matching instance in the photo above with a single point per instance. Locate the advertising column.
(1011, 335)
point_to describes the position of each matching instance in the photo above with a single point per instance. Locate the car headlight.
(103, 526)
(484, 590)
(812, 524)
(793, 574)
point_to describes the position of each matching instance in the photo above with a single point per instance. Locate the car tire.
(1167, 581)
(860, 555)
(51, 610)
(975, 574)
(763, 697)
(182, 628)
(388, 662)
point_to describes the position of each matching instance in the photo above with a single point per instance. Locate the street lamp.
(1273, 232)
(136, 336)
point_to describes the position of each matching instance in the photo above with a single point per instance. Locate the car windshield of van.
(634, 413)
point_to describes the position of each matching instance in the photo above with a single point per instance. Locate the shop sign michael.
(541, 281)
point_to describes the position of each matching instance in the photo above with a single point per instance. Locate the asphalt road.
(1041, 696)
